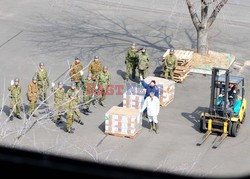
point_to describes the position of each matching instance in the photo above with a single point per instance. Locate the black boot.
(102, 103)
(80, 122)
(34, 115)
(87, 110)
(150, 128)
(11, 118)
(18, 117)
(156, 128)
(70, 131)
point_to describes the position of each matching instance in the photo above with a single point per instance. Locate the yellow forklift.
(227, 109)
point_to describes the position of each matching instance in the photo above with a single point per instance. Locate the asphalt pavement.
(55, 31)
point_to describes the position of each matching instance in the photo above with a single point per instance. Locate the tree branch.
(204, 13)
(193, 14)
(216, 12)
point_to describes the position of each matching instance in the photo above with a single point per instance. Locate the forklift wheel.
(230, 128)
(201, 125)
(235, 129)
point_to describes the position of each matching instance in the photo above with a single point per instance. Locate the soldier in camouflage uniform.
(71, 109)
(15, 98)
(88, 93)
(42, 80)
(102, 83)
(58, 100)
(76, 71)
(143, 63)
(131, 61)
(33, 94)
(95, 67)
(76, 99)
(170, 63)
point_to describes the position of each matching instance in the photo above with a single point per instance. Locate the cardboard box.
(166, 89)
(134, 98)
(125, 121)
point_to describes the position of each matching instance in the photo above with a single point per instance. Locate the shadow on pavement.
(194, 117)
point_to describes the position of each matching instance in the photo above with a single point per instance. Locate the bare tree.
(203, 24)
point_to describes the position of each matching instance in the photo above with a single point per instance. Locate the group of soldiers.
(94, 88)
(139, 59)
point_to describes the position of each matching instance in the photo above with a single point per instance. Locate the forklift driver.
(220, 104)
(233, 93)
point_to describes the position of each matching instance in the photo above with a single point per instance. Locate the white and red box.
(123, 121)
(166, 89)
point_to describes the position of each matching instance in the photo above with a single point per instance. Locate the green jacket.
(170, 61)
(70, 91)
(15, 91)
(59, 94)
(88, 87)
(132, 57)
(71, 106)
(103, 79)
(42, 77)
(143, 62)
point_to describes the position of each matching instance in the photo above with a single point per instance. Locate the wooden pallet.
(184, 64)
(180, 79)
(124, 135)
(165, 104)
(182, 55)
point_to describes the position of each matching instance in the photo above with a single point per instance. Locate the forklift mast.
(216, 88)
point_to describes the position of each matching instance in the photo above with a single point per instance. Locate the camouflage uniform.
(75, 73)
(143, 64)
(131, 62)
(170, 63)
(77, 100)
(94, 68)
(15, 99)
(42, 82)
(71, 109)
(58, 101)
(103, 81)
(33, 94)
(88, 92)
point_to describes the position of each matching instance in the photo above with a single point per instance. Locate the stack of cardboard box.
(166, 89)
(121, 121)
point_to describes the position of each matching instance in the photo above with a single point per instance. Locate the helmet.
(41, 64)
(16, 80)
(73, 84)
(96, 57)
(171, 50)
(105, 67)
(34, 78)
(89, 75)
(60, 83)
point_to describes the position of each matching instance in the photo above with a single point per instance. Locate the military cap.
(105, 67)
(41, 64)
(16, 79)
(73, 84)
(89, 75)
